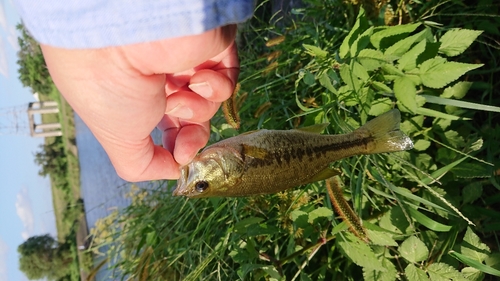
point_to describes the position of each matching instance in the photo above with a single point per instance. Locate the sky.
(25, 197)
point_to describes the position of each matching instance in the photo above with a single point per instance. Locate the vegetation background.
(42, 256)
(432, 213)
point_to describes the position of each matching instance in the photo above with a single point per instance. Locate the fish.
(271, 161)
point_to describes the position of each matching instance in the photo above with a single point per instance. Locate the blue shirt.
(79, 24)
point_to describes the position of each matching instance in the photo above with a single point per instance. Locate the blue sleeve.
(79, 24)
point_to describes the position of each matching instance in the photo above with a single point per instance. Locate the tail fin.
(386, 134)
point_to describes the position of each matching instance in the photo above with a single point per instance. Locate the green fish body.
(270, 161)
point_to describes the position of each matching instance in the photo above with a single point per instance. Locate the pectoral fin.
(255, 152)
(325, 174)
(316, 128)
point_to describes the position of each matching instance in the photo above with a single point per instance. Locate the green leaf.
(395, 214)
(402, 46)
(395, 221)
(424, 161)
(246, 268)
(443, 272)
(319, 213)
(409, 60)
(472, 192)
(360, 26)
(405, 91)
(309, 78)
(390, 273)
(442, 171)
(472, 246)
(413, 249)
(474, 263)
(272, 273)
(441, 124)
(415, 274)
(262, 229)
(348, 96)
(380, 106)
(420, 100)
(428, 222)
(493, 260)
(244, 224)
(326, 82)
(458, 90)
(409, 195)
(462, 104)
(380, 238)
(438, 114)
(151, 238)
(431, 51)
(305, 277)
(392, 70)
(454, 139)
(421, 145)
(472, 274)
(413, 125)
(385, 34)
(340, 227)
(416, 80)
(437, 72)
(361, 42)
(315, 51)
(445, 155)
(360, 71)
(371, 59)
(299, 217)
(379, 86)
(347, 76)
(473, 170)
(456, 41)
(359, 252)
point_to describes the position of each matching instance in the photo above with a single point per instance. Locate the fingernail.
(180, 111)
(203, 89)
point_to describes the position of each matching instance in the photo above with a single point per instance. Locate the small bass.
(269, 161)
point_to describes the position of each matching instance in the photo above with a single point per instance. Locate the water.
(102, 190)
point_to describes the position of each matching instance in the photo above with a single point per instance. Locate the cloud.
(3, 260)
(3, 18)
(4, 68)
(12, 38)
(25, 213)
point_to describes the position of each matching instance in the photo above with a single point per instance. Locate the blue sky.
(25, 197)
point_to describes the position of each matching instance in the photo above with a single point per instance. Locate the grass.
(430, 213)
(59, 197)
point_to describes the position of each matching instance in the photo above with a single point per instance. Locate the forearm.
(77, 24)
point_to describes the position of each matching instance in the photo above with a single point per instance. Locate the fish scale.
(293, 156)
(283, 152)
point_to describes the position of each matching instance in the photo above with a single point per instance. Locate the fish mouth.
(180, 189)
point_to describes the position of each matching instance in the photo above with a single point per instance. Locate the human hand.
(122, 93)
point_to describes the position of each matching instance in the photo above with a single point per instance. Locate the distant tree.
(52, 158)
(43, 257)
(33, 70)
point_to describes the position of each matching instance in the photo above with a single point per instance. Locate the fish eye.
(201, 186)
